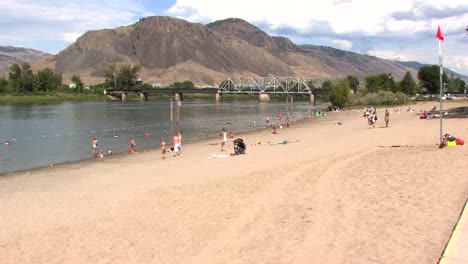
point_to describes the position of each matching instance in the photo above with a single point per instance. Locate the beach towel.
(451, 143)
(220, 156)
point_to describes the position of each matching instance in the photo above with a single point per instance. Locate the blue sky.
(396, 29)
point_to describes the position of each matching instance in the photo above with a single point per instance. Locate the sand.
(333, 194)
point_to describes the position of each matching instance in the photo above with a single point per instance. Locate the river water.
(46, 134)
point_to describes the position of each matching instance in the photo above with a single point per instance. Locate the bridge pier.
(312, 99)
(123, 96)
(178, 97)
(143, 96)
(218, 97)
(263, 97)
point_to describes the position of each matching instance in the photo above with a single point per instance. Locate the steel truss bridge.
(271, 85)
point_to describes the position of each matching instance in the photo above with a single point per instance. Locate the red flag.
(440, 35)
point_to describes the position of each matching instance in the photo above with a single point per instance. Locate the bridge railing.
(278, 85)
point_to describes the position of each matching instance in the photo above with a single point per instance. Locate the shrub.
(379, 98)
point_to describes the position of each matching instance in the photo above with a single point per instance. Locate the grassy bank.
(55, 97)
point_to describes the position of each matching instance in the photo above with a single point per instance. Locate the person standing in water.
(94, 144)
(133, 145)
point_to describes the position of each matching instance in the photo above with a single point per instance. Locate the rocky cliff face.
(10, 55)
(170, 50)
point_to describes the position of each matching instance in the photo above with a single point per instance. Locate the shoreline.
(150, 149)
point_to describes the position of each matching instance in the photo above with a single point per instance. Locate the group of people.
(176, 147)
(371, 115)
(278, 119)
(100, 153)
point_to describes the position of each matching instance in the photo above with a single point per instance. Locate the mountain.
(416, 65)
(170, 50)
(10, 55)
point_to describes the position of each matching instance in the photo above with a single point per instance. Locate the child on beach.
(224, 142)
(176, 145)
(180, 143)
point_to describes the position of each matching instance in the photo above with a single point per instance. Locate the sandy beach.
(334, 194)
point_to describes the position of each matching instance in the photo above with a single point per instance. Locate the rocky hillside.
(170, 50)
(10, 55)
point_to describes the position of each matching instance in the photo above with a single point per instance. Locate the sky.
(391, 29)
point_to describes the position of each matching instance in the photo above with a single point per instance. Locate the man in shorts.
(387, 117)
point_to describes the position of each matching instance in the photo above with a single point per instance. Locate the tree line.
(21, 79)
(383, 88)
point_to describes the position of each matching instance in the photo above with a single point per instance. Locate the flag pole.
(441, 66)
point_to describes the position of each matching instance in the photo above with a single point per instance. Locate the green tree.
(27, 78)
(46, 80)
(3, 85)
(128, 76)
(408, 85)
(184, 84)
(122, 76)
(353, 82)
(14, 77)
(77, 81)
(455, 85)
(460, 85)
(327, 85)
(339, 94)
(188, 84)
(428, 77)
(383, 81)
(111, 76)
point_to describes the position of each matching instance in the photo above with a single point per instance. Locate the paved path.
(456, 251)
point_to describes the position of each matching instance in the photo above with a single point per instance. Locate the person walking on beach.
(224, 137)
(387, 117)
(267, 120)
(163, 149)
(94, 144)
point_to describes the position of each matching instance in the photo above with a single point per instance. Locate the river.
(46, 134)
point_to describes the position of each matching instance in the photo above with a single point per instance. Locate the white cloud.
(342, 44)
(71, 36)
(402, 29)
(61, 22)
